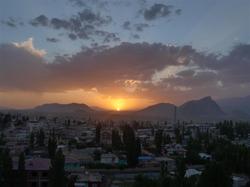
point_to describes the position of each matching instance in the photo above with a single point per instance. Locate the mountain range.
(202, 109)
(205, 108)
(64, 108)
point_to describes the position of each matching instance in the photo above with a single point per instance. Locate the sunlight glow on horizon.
(118, 104)
(91, 98)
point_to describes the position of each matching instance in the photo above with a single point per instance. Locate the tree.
(6, 121)
(164, 169)
(21, 171)
(235, 158)
(1, 169)
(194, 146)
(158, 140)
(165, 181)
(178, 136)
(57, 176)
(167, 139)
(2, 140)
(97, 155)
(7, 169)
(215, 175)
(116, 140)
(52, 145)
(18, 123)
(138, 147)
(32, 140)
(40, 137)
(98, 133)
(68, 123)
(226, 128)
(71, 181)
(130, 145)
(180, 174)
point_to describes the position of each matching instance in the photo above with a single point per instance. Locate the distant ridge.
(63, 108)
(161, 110)
(98, 108)
(202, 108)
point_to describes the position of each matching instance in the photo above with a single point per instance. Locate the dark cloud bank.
(142, 69)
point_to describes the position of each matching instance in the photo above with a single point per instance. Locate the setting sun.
(118, 104)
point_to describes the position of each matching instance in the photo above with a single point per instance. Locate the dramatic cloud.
(28, 45)
(92, 22)
(41, 20)
(108, 37)
(83, 25)
(156, 71)
(156, 11)
(88, 16)
(21, 69)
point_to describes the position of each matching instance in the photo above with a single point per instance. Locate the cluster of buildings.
(90, 164)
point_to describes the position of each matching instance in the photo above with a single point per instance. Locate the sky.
(122, 54)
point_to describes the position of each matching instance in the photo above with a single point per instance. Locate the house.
(145, 131)
(240, 180)
(106, 137)
(192, 172)
(109, 158)
(145, 160)
(205, 156)
(85, 156)
(88, 180)
(72, 164)
(87, 136)
(196, 129)
(175, 149)
(37, 170)
(171, 164)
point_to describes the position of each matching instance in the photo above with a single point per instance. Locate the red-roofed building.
(37, 170)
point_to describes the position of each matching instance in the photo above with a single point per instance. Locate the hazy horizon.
(114, 108)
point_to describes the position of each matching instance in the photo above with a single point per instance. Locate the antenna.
(175, 114)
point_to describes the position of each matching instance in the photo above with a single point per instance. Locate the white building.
(109, 158)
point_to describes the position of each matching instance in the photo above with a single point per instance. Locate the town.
(124, 93)
(42, 151)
